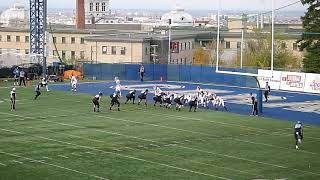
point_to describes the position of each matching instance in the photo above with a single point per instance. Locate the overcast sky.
(170, 4)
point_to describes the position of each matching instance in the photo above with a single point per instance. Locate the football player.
(168, 100)
(158, 98)
(220, 102)
(96, 102)
(13, 97)
(179, 101)
(193, 103)
(115, 100)
(298, 133)
(131, 96)
(37, 90)
(267, 91)
(74, 82)
(143, 96)
(44, 82)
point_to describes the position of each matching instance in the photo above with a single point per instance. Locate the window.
(238, 45)
(103, 6)
(63, 40)
(114, 50)
(181, 47)
(17, 38)
(18, 51)
(55, 53)
(91, 7)
(283, 45)
(26, 39)
(63, 54)
(181, 61)
(82, 40)
(54, 39)
(295, 46)
(227, 45)
(73, 40)
(104, 49)
(185, 60)
(8, 38)
(81, 54)
(146, 51)
(123, 50)
(26, 51)
(0, 51)
(189, 45)
(73, 55)
(185, 46)
(97, 6)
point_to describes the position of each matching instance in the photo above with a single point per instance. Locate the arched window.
(91, 7)
(97, 6)
(103, 6)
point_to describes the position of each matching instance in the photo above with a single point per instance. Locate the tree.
(310, 41)
(201, 56)
(258, 53)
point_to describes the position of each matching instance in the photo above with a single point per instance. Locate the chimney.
(80, 15)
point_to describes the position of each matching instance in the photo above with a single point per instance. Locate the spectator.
(141, 72)
(16, 74)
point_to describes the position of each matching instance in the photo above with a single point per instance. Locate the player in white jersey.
(117, 80)
(209, 98)
(13, 96)
(44, 83)
(158, 96)
(74, 82)
(199, 90)
(220, 102)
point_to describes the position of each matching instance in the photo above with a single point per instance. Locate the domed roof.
(178, 18)
(17, 15)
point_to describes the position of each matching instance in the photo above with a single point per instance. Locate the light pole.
(218, 36)
(272, 39)
(169, 50)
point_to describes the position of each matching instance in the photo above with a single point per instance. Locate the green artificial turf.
(59, 136)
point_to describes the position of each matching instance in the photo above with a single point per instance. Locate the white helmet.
(13, 89)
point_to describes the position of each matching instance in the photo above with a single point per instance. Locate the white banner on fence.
(312, 83)
(265, 76)
(292, 81)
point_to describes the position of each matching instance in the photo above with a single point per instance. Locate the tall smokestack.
(80, 14)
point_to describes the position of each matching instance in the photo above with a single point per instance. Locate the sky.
(170, 4)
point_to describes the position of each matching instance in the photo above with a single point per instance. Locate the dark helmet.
(134, 91)
(100, 94)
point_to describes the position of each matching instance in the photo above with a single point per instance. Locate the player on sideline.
(220, 102)
(131, 96)
(298, 133)
(178, 100)
(37, 90)
(143, 96)
(13, 97)
(267, 91)
(96, 102)
(74, 82)
(115, 100)
(193, 103)
(44, 83)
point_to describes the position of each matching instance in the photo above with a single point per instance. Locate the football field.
(59, 136)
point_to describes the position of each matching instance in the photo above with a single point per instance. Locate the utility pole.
(169, 34)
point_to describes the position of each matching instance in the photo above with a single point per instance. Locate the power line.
(282, 7)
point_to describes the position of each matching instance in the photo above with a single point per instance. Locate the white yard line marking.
(121, 155)
(3, 164)
(15, 161)
(63, 156)
(200, 133)
(54, 165)
(184, 147)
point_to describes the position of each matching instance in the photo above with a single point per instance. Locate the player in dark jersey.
(193, 103)
(131, 96)
(96, 102)
(179, 102)
(37, 90)
(143, 96)
(158, 98)
(267, 91)
(13, 96)
(255, 111)
(298, 133)
(115, 100)
(168, 100)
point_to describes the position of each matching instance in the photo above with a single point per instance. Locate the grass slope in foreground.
(59, 137)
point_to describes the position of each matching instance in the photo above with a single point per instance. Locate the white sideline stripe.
(117, 154)
(19, 162)
(54, 165)
(224, 155)
(63, 156)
